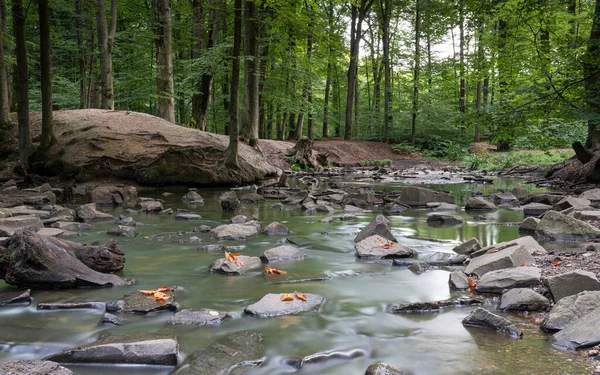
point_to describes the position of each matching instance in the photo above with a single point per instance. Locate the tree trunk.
(25, 144)
(480, 71)
(262, 116)
(270, 119)
(251, 74)
(386, 6)
(196, 53)
(106, 38)
(47, 137)
(309, 96)
(164, 60)
(461, 94)
(591, 62)
(415, 106)
(326, 101)
(231, 154)
(5, 124)
(83, 99)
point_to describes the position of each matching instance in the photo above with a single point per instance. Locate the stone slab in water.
(275, 229)
(33, 368)
(239, 350)
(271, 305)
(71, 306)
(585, 332)
(417, 196)
(569, 309)
(139, 303)
(444, 219)
(139, 349)
(431, 307)
(479, 204)
(234, 231)
(292, 277)
(282, 254)
(385, 369)
(519, 277)
(13, 298)
(371, 248)
(481, 318)
(507, 258)
(535, 209)
(201, 317)
(229, 268)
(185, 217)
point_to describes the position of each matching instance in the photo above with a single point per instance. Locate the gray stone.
(195, 239)
(523, 299)
(379, 226)
(481, 318)
(394, 208)
(140, 349)
(150, 205)
(572, 202)
(349, 209)
(234, 231)
(431, 307)
(592, 194)
(271, 305)
(293, 277)
(583, 333)
(239, 219)
(535, 209)
(527, 241)
(10, 225)
(108, 318)
(324, 209)
(348, 217)
(296, 198)
(233, 354)
(529, 225)
(504, 198)
(14, 298)
(201, 229)
(328, 220)
(468, 247)
(385, 369)
(418, 267)
(519, 277)
(275, 229)
(187, 217)
(445, 219)
(376, 247)
(570, 309)
(167, 211)
(446, 207)
(26, 211)
(139, 303)
(88, 213)
(71, 226)
(479, 204)
(588, 216)
(50, 232)
(418, 197)
(252, 198)
(33, 368)
(282, 254)
(555, 226)
(570, 283)
(201, 317)
(193, 197)
(520, 192)
(507, 258)
(458, 280)
(122, 231)
(229, 268)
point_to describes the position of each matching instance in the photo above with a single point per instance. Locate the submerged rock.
(282, 254)
(321, 357)
(33, 368)
(235, 232)
(431, 307)
(271, 305)
(379, 226)
(201, 317)
(481, 318)
(445, 219)
(376, 247)
(139, 349)
(231, 354)
(187, 217)
(139, 303)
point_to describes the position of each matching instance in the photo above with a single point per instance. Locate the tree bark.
(82, 56)
(5, 123)
(164, 60)
(47, 136)
(461, 94)
(309, 96)
(417, 62)
(106, 39)
(231, 154)
(251, 74)
(591, 62)
(385, 14)
(25, 144)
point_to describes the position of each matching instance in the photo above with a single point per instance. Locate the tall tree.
(5, 124)
(358, 15)
(591, 64)
(25, 144)
(47, 136)
(250, 114)
(417, 67)
(164, 60)
(106, 38)
(330, 32)
(231, 154)
(461, 26)
(386, 11)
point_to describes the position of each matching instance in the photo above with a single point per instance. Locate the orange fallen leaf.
(301, 296)
(233, 258)
(556, 264)
(147, 292)
(472, 284)
(523, 264)
(161, 297)
(392, 243)
(287, 297)
(163, 289)
(273, 271)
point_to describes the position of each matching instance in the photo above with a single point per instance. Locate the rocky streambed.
(331, 275)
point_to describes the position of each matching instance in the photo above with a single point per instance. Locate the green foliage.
(405, 148)
(497, 161)
(446, 149)
(381, 162)
(474, 162)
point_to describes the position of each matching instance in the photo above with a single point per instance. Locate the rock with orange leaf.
(273, 305)
(377, 247)
(144, 302)
(379, 226)
(239, 265)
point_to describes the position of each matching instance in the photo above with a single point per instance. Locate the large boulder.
(10, 225)
(139, 349)
(481, 318)
(468, 247)
(40, 262)
(379, 226)
(376, 247)
(479, 204)
(88, 213)
(519, 277)
(236, 232)
(570, 283)
(197, 318)
(585, 332)
(271, 305)
(227, 267)
(283, 253)
(507, 258)
(417, 196)
(523, 299)
(570, 309)
(555, 226)
(233, 354)
(33, 368)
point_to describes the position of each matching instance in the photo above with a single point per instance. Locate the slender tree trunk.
(270, 119)
(82, 56)
(385, 14)
(462, 91)
(338, 125)
(309, 96)
(251, 74)
(47, 136)
(196, 53)
(429, 62)
(262, 128)
(326, 101)
(591, 62)
(25, 144)
(480, 72)
(231, 154)
(7, 51)
(417, 62)
(106, 38)
(165, 108)
(5, 123)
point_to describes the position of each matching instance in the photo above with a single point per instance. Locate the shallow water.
(352, 317)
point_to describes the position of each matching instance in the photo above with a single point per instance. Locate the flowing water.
(352, 317)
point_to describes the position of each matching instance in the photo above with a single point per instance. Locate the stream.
(353, 316)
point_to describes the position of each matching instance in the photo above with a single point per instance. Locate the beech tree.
(164, 61)
(106, 38)
(231, 154)
(47, 136)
